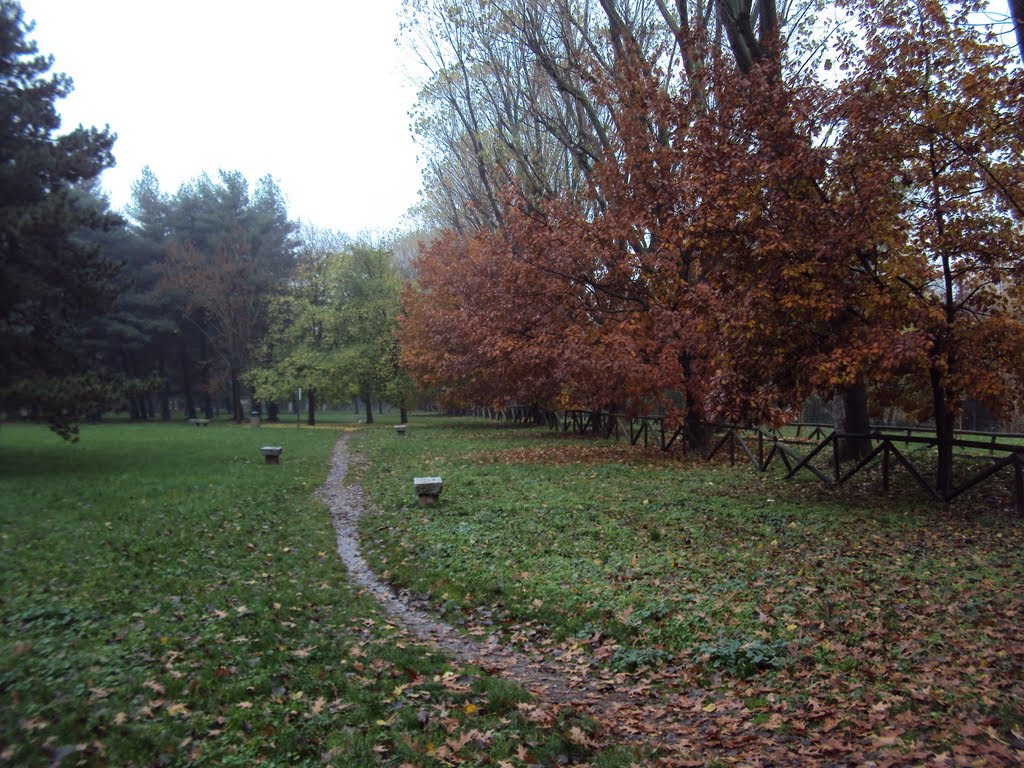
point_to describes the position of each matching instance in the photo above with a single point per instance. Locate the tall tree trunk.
(945, 426)
(186, 381)
(272, 412)
(368, 399)
(403, 412)
(207, 395)
(311, 407)
(236, 398)
(164, 395)
(696, 431)
(1017, 15)
(850, 416)
(134, 412)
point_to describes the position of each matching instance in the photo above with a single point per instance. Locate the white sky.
(313, 92)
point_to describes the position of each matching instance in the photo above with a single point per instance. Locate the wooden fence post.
(885, 466)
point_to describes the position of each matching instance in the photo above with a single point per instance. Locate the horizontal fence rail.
(890, 447)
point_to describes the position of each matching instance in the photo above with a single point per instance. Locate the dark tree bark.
(272, 412)
(368, 400)
(164, 395)
(850, 416)
(696, 431)
(403, 412)
(945, 420)
(186, 381)
(311, 408)
(1017, 15)
(236, 398)
(944, 432)
(207, 397)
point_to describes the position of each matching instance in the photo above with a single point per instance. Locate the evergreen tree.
(53, 278)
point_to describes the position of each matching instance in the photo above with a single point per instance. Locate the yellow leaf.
(709, 707)
(244, 705)
(470, 709)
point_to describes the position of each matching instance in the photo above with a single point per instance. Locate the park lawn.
(850, 626)
(167, 598)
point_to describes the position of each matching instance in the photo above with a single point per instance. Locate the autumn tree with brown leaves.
(752, 231)
(936, 103)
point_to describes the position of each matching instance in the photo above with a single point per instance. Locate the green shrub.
(744, 657)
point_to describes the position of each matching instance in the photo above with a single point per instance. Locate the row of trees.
(187, 296)
(716, 208)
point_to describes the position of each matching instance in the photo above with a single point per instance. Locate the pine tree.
(52, 278)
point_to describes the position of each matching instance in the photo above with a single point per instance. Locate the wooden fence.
(891, 447)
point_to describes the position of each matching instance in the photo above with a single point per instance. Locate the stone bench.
(271, 453)
(199, 422)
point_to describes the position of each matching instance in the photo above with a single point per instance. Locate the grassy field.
(855, 627)
(169, 599)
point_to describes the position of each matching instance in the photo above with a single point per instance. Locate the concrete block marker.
(272, 453)
(428, 489)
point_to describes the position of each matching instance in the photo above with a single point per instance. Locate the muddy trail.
(629, 713)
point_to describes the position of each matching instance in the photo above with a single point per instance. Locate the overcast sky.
(313, 92)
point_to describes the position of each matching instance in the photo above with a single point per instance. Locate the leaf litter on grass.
(169, 602)
(770, 629)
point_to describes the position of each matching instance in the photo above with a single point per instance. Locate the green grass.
(741, 583)
(167, 598)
